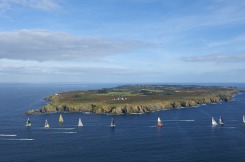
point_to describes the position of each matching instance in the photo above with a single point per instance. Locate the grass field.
(140, 94)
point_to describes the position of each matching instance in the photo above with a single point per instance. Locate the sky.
(122, 41)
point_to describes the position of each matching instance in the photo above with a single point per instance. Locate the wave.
(196, 106)
(8, 135)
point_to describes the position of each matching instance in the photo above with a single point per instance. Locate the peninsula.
(130, 99)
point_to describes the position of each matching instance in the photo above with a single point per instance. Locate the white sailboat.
(243, 119)
(80, 124)
(112, 123)
(46, 124)
(28, 123)
(221, 122)
(61, 120)
(214, 123)
(159, 122)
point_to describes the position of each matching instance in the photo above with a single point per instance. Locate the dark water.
(187, 134)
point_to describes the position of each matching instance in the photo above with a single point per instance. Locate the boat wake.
(19, 139)
(228, 127)
(179, 120)
(64, 132)
(8, 135)
(63, 128)
(152, 126)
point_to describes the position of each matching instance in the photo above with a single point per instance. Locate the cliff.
(139, 100)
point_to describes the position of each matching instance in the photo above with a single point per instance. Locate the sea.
(186, 135)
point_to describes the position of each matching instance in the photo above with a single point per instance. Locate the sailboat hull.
(159, 124)
(28, 125)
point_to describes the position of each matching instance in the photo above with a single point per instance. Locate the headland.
(131, 99)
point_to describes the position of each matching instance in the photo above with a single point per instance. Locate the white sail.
(28, 123)
(159, 120)
(214, 123)
(46, 124)
(221, 122)
(80, 124)
(243, 118)
(112, 123)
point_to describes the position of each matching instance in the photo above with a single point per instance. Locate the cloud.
(232, 41)
(208, 14)
(44, 45)
(215, 58)
(37, 4)
(37, 68)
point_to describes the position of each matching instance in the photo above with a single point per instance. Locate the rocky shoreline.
(119, 109)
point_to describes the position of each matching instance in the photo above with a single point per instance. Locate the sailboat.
(28, 123)
(112, 123)
(61, 120)
(46, 124)
(80, 124)
(243, 119)
(159, 122)
(221, 122)
(214, 123)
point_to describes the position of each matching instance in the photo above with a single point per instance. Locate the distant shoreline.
(136, 99)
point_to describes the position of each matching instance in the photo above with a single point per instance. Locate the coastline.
(58, 105)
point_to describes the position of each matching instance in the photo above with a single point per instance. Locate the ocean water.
(186, 135)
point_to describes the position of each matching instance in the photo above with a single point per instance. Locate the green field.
(136, 98)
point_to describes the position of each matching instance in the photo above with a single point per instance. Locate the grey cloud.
(215, 58)
(41, 68)
(78, 71)
(44, 45)
(34, 67)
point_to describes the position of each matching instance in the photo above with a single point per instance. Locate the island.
(135, 99)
